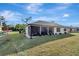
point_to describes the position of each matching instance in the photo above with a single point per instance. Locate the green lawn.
(63, 47)
(15, 42)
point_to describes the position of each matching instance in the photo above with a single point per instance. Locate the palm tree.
(26, 20)
(1, 21)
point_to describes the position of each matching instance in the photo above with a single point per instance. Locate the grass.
(63, 47)
(17, 42)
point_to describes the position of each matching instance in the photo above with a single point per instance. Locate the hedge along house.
(45, 28)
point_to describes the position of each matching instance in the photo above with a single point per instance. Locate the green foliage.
(20, 26)
(26, 20)
(3, 22)
(2, 18)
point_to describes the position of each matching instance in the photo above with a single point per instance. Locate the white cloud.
(59, 7)
(63, 6)
(7, 14)
(57, 20)
(34, 7)
(66, 15)
(44, 18)
(10, 15)
(53, 18)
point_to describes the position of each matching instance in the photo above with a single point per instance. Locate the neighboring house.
(45, 28)
(74, 29)
(0, 28)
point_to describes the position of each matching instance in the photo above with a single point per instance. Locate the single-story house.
(46, 28)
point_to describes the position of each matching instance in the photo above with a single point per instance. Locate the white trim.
(27, 32)
(55, 30)
(62, 30)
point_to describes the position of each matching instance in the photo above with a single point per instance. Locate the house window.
(58, 29)
(65, 29)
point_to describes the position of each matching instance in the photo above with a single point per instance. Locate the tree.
(26, 20)
(3, 23)
(2, 20)
(20, 27)
(11, 27)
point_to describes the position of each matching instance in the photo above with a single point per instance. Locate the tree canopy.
(20, 26)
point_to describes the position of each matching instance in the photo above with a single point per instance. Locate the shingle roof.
(46, 23)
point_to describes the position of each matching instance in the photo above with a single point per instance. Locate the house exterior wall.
(61, 30)
(73, 30)
(55, 30)
(27, 29)
(67, 30)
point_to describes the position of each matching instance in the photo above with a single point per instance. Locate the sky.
(61, 13)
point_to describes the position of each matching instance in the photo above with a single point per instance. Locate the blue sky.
(62, 13)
